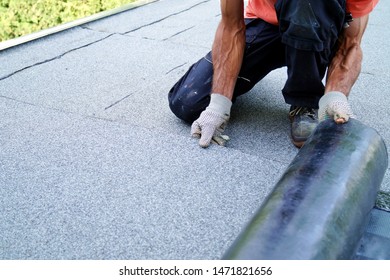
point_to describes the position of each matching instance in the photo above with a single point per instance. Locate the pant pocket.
(310, 25)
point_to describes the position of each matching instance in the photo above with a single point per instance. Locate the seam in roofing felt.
(164, 18)
(177, 33)
(40, 106)
(53, 58)
(175, 68)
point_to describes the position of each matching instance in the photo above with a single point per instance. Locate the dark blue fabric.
(311, 25)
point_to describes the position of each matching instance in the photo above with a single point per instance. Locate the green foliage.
(21, 17)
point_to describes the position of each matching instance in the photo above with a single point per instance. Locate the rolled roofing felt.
(321, 204)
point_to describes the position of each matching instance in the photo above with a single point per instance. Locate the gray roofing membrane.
(95, 166)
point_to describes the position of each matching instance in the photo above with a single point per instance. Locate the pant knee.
(186, 105)
(191, 94)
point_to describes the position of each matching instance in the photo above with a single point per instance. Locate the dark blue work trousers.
(303, 44)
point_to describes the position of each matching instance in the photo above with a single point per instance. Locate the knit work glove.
(212, 121)
(335, 105)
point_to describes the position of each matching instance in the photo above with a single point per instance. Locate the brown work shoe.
(303, 122)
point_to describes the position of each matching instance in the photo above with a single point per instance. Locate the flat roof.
(95, 166)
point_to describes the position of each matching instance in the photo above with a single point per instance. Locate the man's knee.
(187, 104)
(191, 94)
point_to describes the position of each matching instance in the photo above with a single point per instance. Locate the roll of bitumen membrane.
(320, 206)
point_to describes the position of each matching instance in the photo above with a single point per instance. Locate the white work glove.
(335, 105)
(212, 121)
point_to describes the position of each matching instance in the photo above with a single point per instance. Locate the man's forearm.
(228, 48)
(346, 65)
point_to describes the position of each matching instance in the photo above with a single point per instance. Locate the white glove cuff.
(220, 104)
(332, 96)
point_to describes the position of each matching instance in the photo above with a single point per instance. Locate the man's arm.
(228, 47)
(343, 72)
(345, 66)
(227, 54)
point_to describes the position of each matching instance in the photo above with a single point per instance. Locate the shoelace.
(303, 111)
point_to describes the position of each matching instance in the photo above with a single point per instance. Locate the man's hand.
(335, 105)
(212, 121)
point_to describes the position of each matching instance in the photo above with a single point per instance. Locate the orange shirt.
(265, 9)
